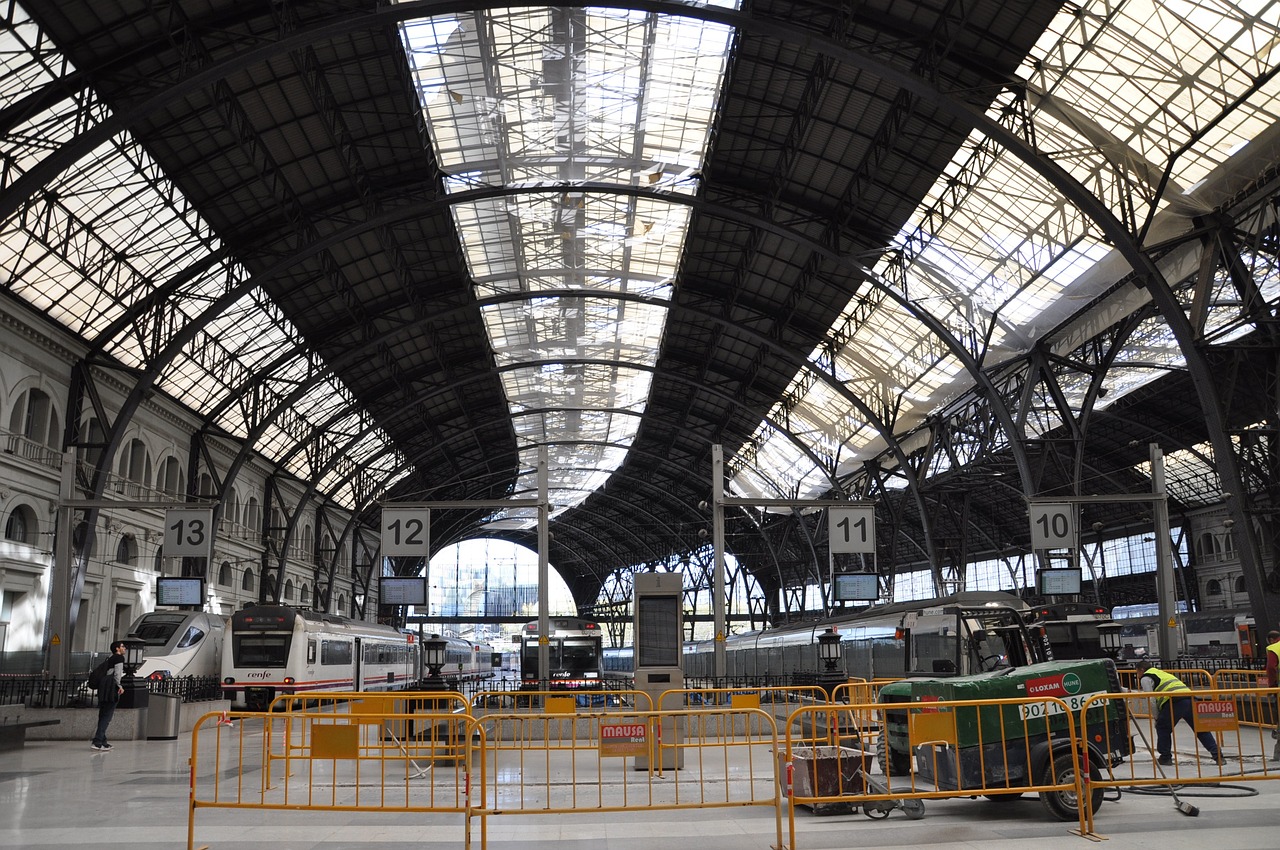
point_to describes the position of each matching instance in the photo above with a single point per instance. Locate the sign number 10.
(1053, 525)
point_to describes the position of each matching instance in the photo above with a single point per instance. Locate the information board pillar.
(659, 631)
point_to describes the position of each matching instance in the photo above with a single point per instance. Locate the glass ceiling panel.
(993, 250)
(526, 97)
(111, 230)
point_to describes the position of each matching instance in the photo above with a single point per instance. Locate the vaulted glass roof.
(1148, 104)
(567, 97)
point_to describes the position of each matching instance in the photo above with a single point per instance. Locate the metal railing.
(42, 692)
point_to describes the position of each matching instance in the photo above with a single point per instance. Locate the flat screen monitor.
(657, 630)
(857, 587)
(1065, 582)
(179, 590)
(402, 590)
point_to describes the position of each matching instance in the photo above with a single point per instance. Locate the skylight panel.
(532, 97)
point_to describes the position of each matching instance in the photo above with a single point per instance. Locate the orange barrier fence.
(937, 750)
(365, 754)
(1246, 750)
(331, 762)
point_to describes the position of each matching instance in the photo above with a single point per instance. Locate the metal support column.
(544, 541)
(1166, 635)
(717, 542)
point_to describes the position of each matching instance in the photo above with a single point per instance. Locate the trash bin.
(164, 715)
(825, 772)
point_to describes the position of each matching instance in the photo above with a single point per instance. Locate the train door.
(1247, 637)
(357, 666)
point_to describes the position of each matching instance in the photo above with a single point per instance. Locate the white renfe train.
(179, 643)
(276, 650)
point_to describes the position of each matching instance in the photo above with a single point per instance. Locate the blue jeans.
(105, 712)
(1179, 708)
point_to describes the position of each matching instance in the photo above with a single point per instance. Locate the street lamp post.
(433, 657)
(829, 653)
(135, 689)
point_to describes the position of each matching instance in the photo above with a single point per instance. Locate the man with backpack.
(110, 685)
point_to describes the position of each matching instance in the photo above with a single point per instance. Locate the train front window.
(191, 638)
(261, 650)
(157, 630)
(580, 658)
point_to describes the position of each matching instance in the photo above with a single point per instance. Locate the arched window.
(134, 464)
(20, 525)
(288, 590)
(204, 486)
(171, 480)
(126, 549)
(230, 512)
(304, 594)
(252, 514)
(80, 540)
(1213, 587)
(224, 574)
(246, 583)
(34, 418)
(1239, 585)
(342, 605)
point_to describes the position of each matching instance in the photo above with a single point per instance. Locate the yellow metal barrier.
(1255, 709)
(961, 748)
(562, 701)
(371, 702)
(1248, 750)
(332, 762)
(612, 761)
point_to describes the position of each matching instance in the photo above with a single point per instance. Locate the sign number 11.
(852, 529)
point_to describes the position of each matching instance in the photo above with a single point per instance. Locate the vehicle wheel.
(892, 763)
(1063, 805)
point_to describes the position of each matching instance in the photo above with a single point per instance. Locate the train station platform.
(62, 794)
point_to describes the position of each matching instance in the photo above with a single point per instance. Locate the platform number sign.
(405, 531)
(852, 529)
(188, 533)
(1053, 525)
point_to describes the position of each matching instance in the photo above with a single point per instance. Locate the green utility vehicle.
(991, 749)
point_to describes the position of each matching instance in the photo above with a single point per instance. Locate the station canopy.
(398, 248)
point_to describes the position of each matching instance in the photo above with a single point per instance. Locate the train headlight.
(230, 680)
(288, 680)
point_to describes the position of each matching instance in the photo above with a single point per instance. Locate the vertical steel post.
(544, 540)
(1166, 634)
(59, 619)
(717, 541)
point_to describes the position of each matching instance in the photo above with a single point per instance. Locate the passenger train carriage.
(179, 643)
(951, 635)
(574, 654)
(276, 650)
